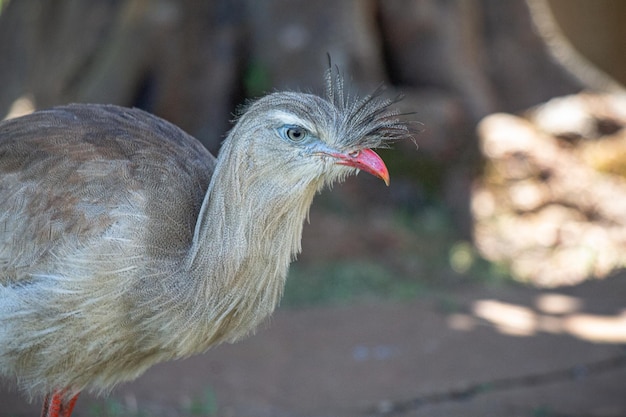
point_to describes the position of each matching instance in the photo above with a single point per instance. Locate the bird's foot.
(58, 404)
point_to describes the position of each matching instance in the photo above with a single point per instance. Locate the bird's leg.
(58, 405)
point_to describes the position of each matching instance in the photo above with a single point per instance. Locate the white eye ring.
(293, 133)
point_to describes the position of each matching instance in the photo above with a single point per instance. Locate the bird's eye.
(293, 133)
(296, 134)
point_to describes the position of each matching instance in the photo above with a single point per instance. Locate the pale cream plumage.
(124, 243)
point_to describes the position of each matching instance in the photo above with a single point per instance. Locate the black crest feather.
(370, 120)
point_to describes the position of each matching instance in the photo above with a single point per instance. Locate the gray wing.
(71, 175)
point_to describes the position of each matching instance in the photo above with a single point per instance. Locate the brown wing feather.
(68, 174)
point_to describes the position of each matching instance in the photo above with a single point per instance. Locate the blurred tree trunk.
(192, 62)
(596, 30)
(177, 59)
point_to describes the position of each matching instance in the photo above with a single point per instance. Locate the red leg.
(58, 405)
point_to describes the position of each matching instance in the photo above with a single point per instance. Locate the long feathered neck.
(247, 233)
(250, 224)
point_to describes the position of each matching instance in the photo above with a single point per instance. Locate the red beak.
(365, 160)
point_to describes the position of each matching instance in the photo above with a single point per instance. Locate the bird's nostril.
(354, 154)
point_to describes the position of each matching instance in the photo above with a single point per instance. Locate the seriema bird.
(124, 242)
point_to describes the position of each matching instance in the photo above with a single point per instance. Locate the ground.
(480, 350)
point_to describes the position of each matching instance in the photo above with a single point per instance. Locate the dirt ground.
(480, 351)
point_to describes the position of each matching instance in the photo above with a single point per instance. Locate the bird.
(124, 242)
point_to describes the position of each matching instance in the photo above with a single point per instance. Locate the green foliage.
(431, 257)
(110, 408)
(256, 80)
(345, 281)
(427, 172)
(205, 405)
(543, 411)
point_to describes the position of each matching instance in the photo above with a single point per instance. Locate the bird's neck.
(248, 232)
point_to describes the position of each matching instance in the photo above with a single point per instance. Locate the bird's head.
(283, 148)
(303, 139)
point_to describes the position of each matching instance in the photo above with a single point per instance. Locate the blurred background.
(517, 179)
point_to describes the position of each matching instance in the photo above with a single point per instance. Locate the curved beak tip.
(385, 179)
(368, 161)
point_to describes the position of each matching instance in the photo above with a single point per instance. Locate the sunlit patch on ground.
(552, 313)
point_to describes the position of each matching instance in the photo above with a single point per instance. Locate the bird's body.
(124, 242)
